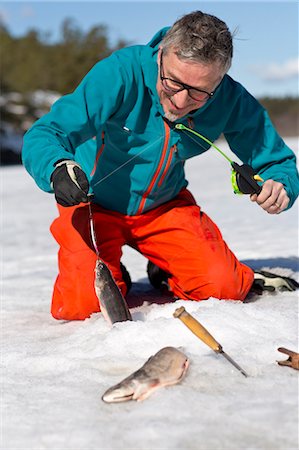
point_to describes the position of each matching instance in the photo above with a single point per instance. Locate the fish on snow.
(167, 367)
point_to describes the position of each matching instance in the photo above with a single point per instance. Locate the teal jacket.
(113, 126)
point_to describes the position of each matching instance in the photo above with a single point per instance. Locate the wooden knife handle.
(197, 329)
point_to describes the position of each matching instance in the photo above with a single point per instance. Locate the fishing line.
(92, 227)
(243, 178)
(131, 159)
(186, 130)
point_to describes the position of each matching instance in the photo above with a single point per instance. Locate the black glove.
(69, 183)
(268, 281)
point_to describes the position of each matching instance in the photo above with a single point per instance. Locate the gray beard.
(170, 116)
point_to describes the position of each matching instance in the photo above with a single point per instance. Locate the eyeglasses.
(173, 87)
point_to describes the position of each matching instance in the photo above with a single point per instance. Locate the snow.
(54, 373)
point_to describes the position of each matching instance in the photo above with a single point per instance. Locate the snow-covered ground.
(54, 373)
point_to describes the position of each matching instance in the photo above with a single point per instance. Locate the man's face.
(204, 77)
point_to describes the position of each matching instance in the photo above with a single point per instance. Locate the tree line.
(31, 62)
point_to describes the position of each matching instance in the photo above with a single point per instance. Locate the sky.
(265, 43)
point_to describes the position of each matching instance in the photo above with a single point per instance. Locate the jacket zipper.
(98, 155)
(173, 149)
(156, 174)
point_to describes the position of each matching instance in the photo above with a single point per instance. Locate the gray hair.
(201, 38)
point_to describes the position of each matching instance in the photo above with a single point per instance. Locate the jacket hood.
(150, 66)
(157, 38)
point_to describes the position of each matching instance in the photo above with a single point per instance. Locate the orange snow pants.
(177, 236)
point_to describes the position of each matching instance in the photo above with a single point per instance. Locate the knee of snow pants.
(216, 281)
(187, 244)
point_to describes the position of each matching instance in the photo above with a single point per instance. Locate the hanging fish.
(112, 303)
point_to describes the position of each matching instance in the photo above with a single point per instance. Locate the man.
(128, 105)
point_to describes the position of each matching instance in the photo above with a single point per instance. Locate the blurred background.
(46, 48)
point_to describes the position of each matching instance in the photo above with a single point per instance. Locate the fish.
(112, 303)
(167, 367)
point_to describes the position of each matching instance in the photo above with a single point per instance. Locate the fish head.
(131, 389)
(100, 266)
(102, 273)
(122, 392)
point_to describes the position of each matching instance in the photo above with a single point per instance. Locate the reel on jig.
(243, 178)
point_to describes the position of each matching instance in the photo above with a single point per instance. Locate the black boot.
(157, 277)
(126, 277)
